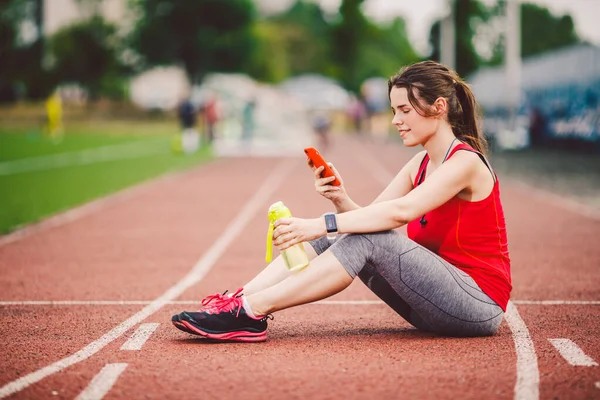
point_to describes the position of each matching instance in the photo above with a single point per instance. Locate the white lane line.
(145, 302)
(527, 386)
(348, 302)
(78, 303)
(103, 382)
(139, 337)
(85, 157)
(196, 302)
(237, 224)
(572, 353)
(557, 302)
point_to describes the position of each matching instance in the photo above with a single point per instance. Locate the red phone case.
(317, 160)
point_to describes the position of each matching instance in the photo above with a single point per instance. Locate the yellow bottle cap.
(276, 211)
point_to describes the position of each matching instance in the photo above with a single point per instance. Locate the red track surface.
(138, 248)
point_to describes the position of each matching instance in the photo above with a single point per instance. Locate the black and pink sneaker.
(225, 320)
(208, 302)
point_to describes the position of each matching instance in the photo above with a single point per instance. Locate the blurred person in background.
(190, 138)
(211, 116)
(537, 127)
(373, 92)
(248, 120)
(54, 128)
(356, 113)
(450, 276)
(322, 128)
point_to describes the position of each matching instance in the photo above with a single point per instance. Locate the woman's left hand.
(291, 231)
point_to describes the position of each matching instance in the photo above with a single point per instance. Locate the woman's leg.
(419, 285)
(277, 271)
(232, 318)
(324, 277)
(424, 289)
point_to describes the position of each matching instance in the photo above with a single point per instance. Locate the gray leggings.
(428, 292)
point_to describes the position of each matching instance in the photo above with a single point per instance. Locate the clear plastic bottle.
(295, 257)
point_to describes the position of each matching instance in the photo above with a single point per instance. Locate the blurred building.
(281, 123)
(317, 92)
(159, 88)
(559, 99)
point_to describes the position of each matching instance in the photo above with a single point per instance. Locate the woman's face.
(414, 128)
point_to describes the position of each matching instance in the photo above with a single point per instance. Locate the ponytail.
(468, 127)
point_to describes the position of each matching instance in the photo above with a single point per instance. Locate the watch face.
(330, 223)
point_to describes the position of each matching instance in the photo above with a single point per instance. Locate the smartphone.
(318, 161)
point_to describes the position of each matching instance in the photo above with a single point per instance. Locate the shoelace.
(224, 303)
(213, 298)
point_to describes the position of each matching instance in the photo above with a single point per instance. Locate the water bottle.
(295, 257)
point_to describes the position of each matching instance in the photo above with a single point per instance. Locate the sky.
(419, 15)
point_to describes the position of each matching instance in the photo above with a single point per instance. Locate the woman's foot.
(227, 319)
(208, 302)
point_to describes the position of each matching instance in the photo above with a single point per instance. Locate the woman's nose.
(397, 120)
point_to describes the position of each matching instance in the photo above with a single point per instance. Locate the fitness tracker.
(331, 225)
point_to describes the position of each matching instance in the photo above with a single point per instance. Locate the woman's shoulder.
(414, 164)
(418, 158)
(466, 160)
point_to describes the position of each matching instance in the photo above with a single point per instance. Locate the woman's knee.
(352, 251)
(356, 249)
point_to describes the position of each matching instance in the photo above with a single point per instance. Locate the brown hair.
(427, 81)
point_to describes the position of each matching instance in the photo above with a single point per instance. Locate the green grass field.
(39, 177)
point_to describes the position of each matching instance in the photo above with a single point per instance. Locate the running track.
(86, 299)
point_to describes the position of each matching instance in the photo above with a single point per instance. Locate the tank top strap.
(421, 172)
(464, 146)
(461, 146)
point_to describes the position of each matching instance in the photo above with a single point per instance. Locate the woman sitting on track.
(451, 275)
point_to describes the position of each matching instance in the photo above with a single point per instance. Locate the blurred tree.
(301, 40)
(85, 53)
(385, 50)
(540, 32)
(21, 50)
(482, 26)
(352, 29)
(468, 15)
(8, 39)
(307, 36)
(202, 35)
(270, 61)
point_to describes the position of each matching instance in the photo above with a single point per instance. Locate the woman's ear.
(440, 106)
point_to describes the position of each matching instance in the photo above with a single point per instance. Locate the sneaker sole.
(177, 323)
(185, 329)
(239, 336)
(182, 327)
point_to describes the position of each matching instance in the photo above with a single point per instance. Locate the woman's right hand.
(336, 194)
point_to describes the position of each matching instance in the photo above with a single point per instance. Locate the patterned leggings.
(428, 292)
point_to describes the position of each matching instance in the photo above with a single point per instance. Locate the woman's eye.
(405, 111)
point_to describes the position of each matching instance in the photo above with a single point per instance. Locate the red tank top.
(470, 235)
